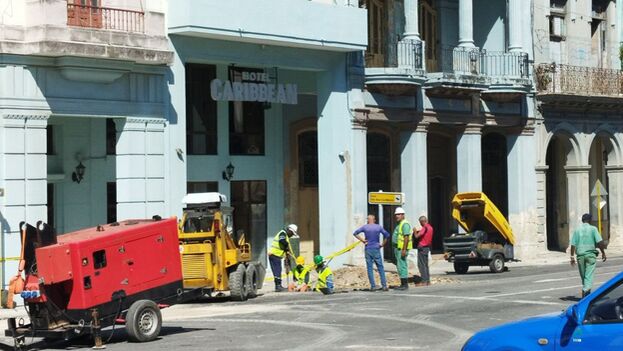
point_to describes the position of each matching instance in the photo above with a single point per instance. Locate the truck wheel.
(237, 284)
(252, 283)
(497, 264)
(461, 267)
(143, 321)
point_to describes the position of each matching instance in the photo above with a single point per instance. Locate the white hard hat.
(399, 210)
(293, 228)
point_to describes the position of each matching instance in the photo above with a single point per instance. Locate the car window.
(607, 307)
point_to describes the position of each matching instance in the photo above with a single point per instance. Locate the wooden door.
(428, 31)
(85, 13)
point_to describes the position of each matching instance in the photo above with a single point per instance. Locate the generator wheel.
(252, 282)
(143, 321)
(461, 267)
(237, 284)
(497, 264)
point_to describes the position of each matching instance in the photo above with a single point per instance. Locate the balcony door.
(84, 13)
(377, 24)
(428, 31)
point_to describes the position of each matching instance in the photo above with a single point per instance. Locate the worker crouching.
(300, 273)
(325, 276)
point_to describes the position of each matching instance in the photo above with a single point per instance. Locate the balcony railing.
(408, 55)
(577, 80)
(105, 18)
(474, 61)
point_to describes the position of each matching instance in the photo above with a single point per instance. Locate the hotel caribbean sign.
(254, 87)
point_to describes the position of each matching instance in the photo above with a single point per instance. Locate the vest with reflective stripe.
(400, 240)
(322, 277)
(301, 276)
(275, 248)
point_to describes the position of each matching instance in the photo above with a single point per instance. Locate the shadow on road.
(570, 298)
(118, 336)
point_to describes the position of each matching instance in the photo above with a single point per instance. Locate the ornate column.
(468, 159)
(413, 172)
(359, 180)
(514, 25)
(579, 197)
(411, 9)
(466, 24)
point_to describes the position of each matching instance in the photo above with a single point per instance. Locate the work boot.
(403, 284)
(278, 287)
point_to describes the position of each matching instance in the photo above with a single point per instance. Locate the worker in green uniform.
(325, 276)
(402, 245)
(584, 243)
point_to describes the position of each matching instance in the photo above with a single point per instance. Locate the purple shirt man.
(372, 233)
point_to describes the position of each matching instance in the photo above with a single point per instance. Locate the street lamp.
(228, 173)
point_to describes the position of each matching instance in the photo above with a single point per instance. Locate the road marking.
(485, 298)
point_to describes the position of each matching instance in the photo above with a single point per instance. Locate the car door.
(602, 328)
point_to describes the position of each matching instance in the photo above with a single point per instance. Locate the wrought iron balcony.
(105, 18)
(407, 55)
(479, 62)
(561, 79)
(401, 73)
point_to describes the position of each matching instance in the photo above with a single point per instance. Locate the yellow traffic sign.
(383, 198)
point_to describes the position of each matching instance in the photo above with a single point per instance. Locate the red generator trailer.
(81, 282)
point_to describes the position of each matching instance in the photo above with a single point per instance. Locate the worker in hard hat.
(325, 276)
(402, 244)
(279, 250)
(300, 273)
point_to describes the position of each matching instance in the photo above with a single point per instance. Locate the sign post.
(598, 192)
(381, 198)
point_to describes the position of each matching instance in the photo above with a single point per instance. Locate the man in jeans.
(425, 240)
(372, 233)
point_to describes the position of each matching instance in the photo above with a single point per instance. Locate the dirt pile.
(357, 278)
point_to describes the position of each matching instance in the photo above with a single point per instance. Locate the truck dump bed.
(474, 211)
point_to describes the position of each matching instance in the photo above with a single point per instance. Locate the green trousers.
(401, 263)
(586, 266)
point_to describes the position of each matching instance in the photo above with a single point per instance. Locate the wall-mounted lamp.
(78, 174)
(228, 173)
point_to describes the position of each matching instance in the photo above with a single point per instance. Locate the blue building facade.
(270, 91)
(448, 88)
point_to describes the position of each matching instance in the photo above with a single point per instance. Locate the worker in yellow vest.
(325, 276)
(300, 273)
(279, 250)
(402, 245)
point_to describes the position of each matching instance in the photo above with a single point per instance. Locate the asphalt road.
(439, 317)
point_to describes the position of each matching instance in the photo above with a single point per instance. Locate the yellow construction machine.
(211, 258)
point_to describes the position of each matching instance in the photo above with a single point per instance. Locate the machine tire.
(237, 284)
(497, 264)
(143, 321)
(251, 281)
(461, 267)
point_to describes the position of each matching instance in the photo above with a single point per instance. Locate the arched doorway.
(495, 170)
(601, 152)
(560, 154)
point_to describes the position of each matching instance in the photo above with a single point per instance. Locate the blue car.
(594, 323)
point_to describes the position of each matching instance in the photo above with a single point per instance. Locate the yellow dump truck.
(488, 240)
(211, 258)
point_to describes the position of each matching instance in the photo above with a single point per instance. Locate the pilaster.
(469, 159)
(414, 175)
(579, 195)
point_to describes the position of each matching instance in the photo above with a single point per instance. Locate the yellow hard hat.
(300, 260)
